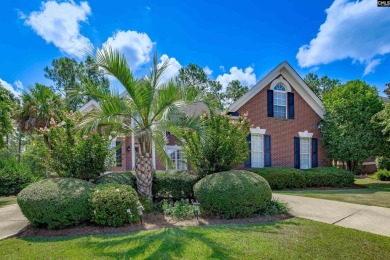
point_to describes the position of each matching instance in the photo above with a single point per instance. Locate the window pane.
(178, 159)
(279, 87)
(280, 104)
(279, 111)
(305, 153)
(257, 151)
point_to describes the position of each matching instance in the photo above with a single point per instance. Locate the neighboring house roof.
(293, 78)
(88, 107)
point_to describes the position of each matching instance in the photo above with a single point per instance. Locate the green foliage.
(147, 204)
(348, 133)
(233, 194)
(383, 163)
(7, 104)
(383, 175)
(173, 184)
(13, 176)
(220, 146)
(276, 207)
(56, 203)
(76, 155)
(383, 118)
(125, 178)
(36, 158)
(110, 202)
(387, 89)
(321, 85)
(68, 74)
(234, 91)
(290, 178)
(180, 210)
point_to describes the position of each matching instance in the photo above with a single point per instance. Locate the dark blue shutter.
(290, 102)
(297, 157)
(119, 154)
(248, 163)
(314, 152)
(270, 103)
(267, 150)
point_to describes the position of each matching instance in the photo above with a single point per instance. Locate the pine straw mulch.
(152, 221)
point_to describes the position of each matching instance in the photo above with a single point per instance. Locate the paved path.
(11, 221)
(366, 218)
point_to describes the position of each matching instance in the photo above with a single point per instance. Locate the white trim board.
(293, 78)
(89, 106)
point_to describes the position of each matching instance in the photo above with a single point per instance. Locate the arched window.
(280, 101)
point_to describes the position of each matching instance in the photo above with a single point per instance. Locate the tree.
(220, 145)
(194, 76)
(348, 132)
(68, 75)
(320, 85)
(148, 109)
(39, 105)
(234, 91)
(7, 104)
(387, 89)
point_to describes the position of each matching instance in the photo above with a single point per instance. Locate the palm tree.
(39, 105)
(148, 109)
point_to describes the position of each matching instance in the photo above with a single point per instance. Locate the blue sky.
(241, 40)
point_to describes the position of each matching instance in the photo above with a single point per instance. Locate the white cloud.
(358, 30)
(59, 23)
(222, 68)
(172, 70)
(134, 45)
(207, 70)
(16, 89)
(247, 77)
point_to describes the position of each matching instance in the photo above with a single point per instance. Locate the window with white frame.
(257, 150)
(280, 101)
(177, 157)
(305, 152)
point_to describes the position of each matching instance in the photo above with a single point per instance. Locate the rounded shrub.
(125, 178)
(174, 185)
(383, 175)
(233, 193)
(56, 203)
(110, 204)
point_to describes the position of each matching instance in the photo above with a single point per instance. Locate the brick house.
(284, 115)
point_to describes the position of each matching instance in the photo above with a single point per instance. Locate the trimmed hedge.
(233, 193)
(110, 202)
(56, 203)
(13, 176)
(125, 178)
(290, 178)
(173, 185)
(383, 175)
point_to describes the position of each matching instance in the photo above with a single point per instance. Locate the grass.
(377, 193)
(4, 201)
(289, 239)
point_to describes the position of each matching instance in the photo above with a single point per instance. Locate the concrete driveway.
(366, 218)
(11, 221)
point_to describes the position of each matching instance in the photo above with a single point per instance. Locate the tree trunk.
(143, 172)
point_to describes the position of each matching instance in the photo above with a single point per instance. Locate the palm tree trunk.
(143, 172)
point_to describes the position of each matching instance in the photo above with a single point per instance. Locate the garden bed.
(353, 187)
(152, 221)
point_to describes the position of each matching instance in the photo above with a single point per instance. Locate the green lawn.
(377, 194)
(288, 239)
(4, 201)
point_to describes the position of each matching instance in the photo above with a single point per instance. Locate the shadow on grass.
(170, 243)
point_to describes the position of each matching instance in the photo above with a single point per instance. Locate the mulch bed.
(152, 221)
(353, 187)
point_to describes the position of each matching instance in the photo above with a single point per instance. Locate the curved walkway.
(366, 218)
(11, 221)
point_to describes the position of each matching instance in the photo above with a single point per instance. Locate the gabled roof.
(89, 106)
(293, 78)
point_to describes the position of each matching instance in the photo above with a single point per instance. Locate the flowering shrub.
(114, 205)
(220, 146)
(73, 154)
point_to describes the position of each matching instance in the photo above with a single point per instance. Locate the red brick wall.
(283, 131)
(126, 156)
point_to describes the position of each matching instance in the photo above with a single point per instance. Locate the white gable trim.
(89, 106)
(291, 76)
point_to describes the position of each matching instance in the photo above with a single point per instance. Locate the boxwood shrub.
(173, 184)
(125, 178)
(290, 178)
(110, 202)
(233, 193)
(56, 203)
